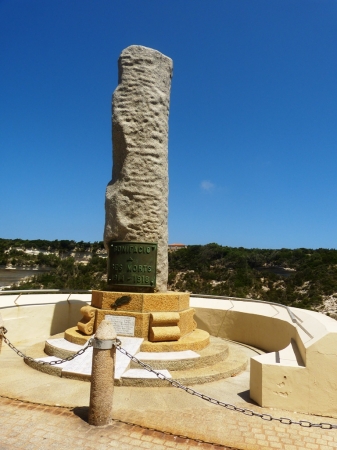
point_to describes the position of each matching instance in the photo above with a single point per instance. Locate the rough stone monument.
(136, 201)
(136, 234)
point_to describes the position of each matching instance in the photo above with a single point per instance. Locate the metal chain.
(247, 412)
(3, 331)
(174, 383)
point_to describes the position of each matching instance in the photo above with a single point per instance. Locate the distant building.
(174, 247)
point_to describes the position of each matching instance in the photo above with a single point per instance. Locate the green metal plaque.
(132, 264)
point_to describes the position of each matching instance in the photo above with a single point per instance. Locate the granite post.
(136, 201)
(102, 377)
(2, 331)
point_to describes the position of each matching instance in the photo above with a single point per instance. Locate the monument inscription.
(132, 264)
(124, 325)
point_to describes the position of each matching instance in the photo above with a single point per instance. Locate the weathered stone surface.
(143, 302)
(102, 378)
(136, 202)
(86, 324)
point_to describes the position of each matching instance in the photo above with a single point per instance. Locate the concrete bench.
(299, 370)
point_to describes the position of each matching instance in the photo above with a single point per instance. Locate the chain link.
(247, 412)
(3, 331)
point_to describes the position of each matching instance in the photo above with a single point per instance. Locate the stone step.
(60, 347)
(235, 363)
(216, 352)
(219, 360)
(80, 367)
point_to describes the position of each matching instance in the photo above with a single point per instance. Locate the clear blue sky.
(253, 117)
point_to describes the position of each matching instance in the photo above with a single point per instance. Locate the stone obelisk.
(136, 300)
(136, 201)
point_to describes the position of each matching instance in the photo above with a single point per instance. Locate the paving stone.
(44, 425)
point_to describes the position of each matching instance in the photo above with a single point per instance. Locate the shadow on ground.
(245, 395)
(82, 412)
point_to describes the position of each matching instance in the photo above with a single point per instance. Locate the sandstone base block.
(159, 318)
(197, 340)
(186, 323)
(75, 336)
(159, 334)
(139, 302)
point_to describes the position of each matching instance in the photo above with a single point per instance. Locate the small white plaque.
(123, 325)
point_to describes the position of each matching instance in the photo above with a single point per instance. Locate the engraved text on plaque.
(124, 325)
(132, 264)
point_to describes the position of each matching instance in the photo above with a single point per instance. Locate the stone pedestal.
(163, 320)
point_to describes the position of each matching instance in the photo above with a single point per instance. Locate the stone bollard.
(2, 327)
(102, 377)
